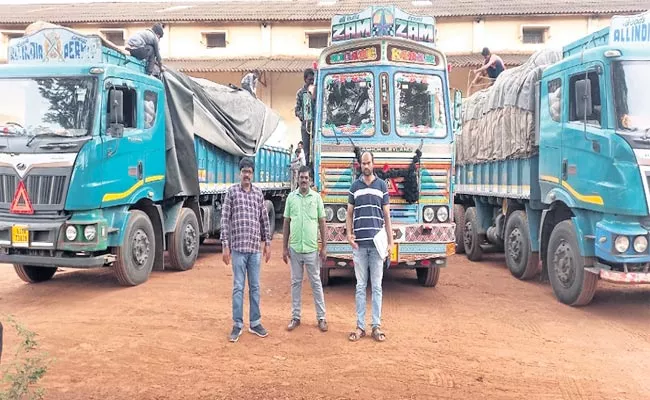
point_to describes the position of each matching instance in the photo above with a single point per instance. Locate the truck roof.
(56, 45)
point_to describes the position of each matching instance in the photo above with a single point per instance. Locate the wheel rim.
(141, 248)
(467, 235)
(189, 240)
(515, 245)
(564, 264)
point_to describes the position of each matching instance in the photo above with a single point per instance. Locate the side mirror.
(583, 99)
(115, 113)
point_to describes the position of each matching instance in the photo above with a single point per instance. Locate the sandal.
(378, 335)
(356, 335)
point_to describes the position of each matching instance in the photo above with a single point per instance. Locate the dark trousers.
(146, 53)
(306, 141)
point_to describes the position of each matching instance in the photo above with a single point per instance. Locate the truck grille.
(42, 189)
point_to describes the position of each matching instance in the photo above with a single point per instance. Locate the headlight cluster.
(72, 232)
(441, 214)
(336, 213)
(622, 244)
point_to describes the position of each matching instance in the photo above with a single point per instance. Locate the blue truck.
(102, 165)
(553, 164)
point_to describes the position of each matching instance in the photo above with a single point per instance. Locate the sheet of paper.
(381, 243)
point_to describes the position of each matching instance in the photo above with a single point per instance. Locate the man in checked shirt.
(244, 224)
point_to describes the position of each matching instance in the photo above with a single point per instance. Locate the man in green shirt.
(304, 215)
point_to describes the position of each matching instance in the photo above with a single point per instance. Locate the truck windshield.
(631, 88)
(46, 106)
(348, 100)
(419, 105)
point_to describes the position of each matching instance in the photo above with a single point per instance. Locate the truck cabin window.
(150, 107)
(128, 108)
(349, 106)
(47, 106)
(555, 99)
(631, 100)
(419, 105)
(581, 87)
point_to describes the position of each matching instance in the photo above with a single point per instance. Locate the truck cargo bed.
(513, 179)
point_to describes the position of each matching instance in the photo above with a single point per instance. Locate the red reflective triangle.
(21, 203)
(392, 187)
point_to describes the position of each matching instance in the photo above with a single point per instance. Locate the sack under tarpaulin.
(230, 119)
(499, 122)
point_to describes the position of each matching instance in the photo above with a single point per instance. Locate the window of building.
(318, 40)
(150, 106)
(581, 87)
(555, 99)
(115, 36)
(8, 35)
(534, 34)
(214, 39)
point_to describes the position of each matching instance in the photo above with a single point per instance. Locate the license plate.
(394, 252)
(20, 236)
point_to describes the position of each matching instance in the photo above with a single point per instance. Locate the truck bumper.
(77, 262)
(414, 244)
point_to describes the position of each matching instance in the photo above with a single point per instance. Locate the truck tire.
(134, 259)
(572, 284)
(184, 241)
(33, 273)
(521, 261)
(459, 219)
(270, 211)
(471, 238)
(428, 276)
(324, 276)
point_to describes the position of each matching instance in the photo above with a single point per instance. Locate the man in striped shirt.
(244, 224)
(368, 213)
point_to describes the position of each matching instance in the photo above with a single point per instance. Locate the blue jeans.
(243, 263)
(367, 260)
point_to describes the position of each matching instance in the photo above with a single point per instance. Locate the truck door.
(124, 142)
(585, 149)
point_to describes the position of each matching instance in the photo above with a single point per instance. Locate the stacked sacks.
(499, 122)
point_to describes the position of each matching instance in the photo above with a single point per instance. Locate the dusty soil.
(479, 334)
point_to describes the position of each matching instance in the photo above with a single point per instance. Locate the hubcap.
(515, 244)
(564, 264)
(189, 240)
(141, 248)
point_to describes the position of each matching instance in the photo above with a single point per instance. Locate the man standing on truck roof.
(303, 108)
(368, 214)
(144, 45)
(244, 223)
(492, 63)
(249, 82)
(304, 216)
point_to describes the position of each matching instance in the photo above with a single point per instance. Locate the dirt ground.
(479, 334)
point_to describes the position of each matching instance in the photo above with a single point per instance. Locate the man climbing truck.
(104, 165)
(553, 164)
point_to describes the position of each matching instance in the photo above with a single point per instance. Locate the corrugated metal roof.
(295, 10)
(300, 64)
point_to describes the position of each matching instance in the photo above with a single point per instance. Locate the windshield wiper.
(50, 134)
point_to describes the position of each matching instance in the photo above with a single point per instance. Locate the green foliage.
(20, 378)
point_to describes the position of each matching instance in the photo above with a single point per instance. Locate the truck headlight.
(428, 214)
(90, 232)
(640, 244)
(341, 213)
(621, 244)
(442, 214)
(71, 233)
(329, 214)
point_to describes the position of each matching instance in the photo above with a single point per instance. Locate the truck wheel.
(33, 273)
(184, 241)
(270, 211)
(521, 261)
(459, 219)
(136, 256)
(471, 238)
(571, 284)
(428, 276)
